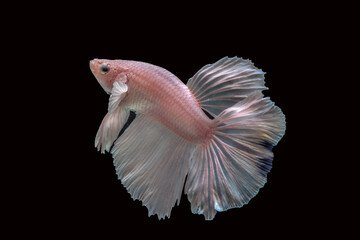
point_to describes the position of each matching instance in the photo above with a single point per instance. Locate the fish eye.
(104, 68)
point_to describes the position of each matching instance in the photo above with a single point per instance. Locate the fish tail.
(231, 165)
(229, 168)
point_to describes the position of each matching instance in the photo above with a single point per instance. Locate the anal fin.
(152, 162)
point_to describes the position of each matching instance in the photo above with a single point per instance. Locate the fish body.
(225, 158)
(160, 94)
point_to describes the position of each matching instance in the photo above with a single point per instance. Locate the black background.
(76, 190)
(94, 198)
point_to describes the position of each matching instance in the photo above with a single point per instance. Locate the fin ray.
(232, 166)
(114, 120)
(118, 93)
(152, 162)
(230, 79)
(110, 128)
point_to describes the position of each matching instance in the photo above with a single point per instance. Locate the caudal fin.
(230, 168)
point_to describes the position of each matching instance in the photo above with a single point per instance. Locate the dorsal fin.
(220, 85)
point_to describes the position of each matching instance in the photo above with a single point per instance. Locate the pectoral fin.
(114, 120)
(118, 93)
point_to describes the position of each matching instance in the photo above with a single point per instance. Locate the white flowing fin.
(114, 120)
(229, 169)
(110, 128)
(118, 93)
(152, 162)
(220, 85)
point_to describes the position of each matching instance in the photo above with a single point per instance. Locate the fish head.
(106, 72)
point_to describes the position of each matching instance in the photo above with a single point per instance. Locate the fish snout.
(93, 64)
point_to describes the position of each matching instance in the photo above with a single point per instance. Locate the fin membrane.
(229, 170)
(114, 120)
(220, 85)
(152, 162)
(118, 93)
(110, 128)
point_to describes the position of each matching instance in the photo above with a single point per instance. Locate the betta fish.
(221, 159)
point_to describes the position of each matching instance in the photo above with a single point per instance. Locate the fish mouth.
(92, 65)
(94, 69)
